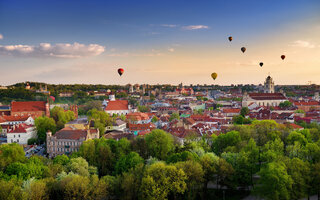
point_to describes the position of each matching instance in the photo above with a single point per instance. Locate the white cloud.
(303, 44)
(169, 25)
(62, 50)
(171, 49)
(1, 36)
(195, 27)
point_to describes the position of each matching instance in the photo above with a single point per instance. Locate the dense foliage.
(268, 159)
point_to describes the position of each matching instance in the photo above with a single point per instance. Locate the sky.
(167, 41)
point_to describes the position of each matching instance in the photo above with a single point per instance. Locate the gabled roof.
(21, 106)
(66, 133)
(6, 118)
(21, 128)
(267, 96)
(117, 105)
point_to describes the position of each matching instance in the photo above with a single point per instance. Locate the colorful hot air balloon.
(120, 71)
(243, 49)
(230, 38)
(214, 75)
(261, 64)
(283, 57)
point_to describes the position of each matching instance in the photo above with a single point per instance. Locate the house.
(80, 123)
(5, 110)
(30, 108)
(136, 128)
(230, 112)
(118, 107)
(68, 140)
(7, 122)
(138, 118)
(307, 105)
(118, 125)
(21, 133)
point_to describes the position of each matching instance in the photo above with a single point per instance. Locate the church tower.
(268, 85)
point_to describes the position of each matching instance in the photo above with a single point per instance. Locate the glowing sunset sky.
(167, 41)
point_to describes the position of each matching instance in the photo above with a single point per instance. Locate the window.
(11, 140)
(17, 140)
(19, 135)
(14, 136)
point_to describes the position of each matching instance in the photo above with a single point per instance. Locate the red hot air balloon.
(283, 57)
(120, 71)
(230, 38)
(243, 49)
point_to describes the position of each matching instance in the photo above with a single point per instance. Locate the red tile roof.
(21, 128)
(295, 126)
(6, 118)
(231, 110)
(117, 105)
(306, 103)
(20, 106)
(267, 96)
(71, 134)
(138, 116)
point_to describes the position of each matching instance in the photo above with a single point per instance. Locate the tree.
(160, 180)
(285, 104)
(144, 109)
(10, 153)
(36, 190)
(208, 162)
(101, 119)
(194, 173)
(10, 190)
(296, 137)
(131, 182)
(61, 159)
(43, 125)
(33, 141)
(78, 166)
(275, 183)
(223, 141)
(174, 116)
(244, 111)
(75, 187)
(159, 144)
(127, 162)
(239, 119)
(154, 119)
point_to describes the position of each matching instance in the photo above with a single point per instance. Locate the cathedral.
(267, 98)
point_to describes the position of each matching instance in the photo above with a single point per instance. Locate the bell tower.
(268, 85)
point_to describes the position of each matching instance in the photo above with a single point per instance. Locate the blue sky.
(139, 34)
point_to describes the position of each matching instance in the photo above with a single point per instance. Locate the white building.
(268, 85)
(118, 107)
(21, 133)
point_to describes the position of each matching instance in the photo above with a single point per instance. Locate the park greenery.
(264, 158)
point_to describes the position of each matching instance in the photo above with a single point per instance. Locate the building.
(7, 123)
(5, 110)
(118, 125)
(138, 118)
(118, 107)
(80, 123)
(68, 140)
(268, 85)
(268, 98)
(263, 99)
(21, 133)
(30, 108)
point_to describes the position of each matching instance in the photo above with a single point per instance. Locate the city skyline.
(168, 42)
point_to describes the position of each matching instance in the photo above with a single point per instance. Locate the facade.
(80, 123)
(118, 107)
(21, 133)
(263, 99)
(30, 108)
(5, 110)
(268, 85)
(68, 140)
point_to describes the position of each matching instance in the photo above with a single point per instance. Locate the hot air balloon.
(230, 38)
(283, 57)
(243, 49)
(261, 64)
(214, 75)
(120, 71)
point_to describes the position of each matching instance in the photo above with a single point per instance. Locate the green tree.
(159, 144)
(10, 190)
(285, 104)
(244, 111)
(44, 124)
(127, 162)
(275, 183)
(160, 180)
(230, 139)
(174, 116)
(10, 153)
(78, 166)
(144, 109)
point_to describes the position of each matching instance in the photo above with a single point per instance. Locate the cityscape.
(159, 100)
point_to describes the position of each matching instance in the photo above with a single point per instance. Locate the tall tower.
(268, 85)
